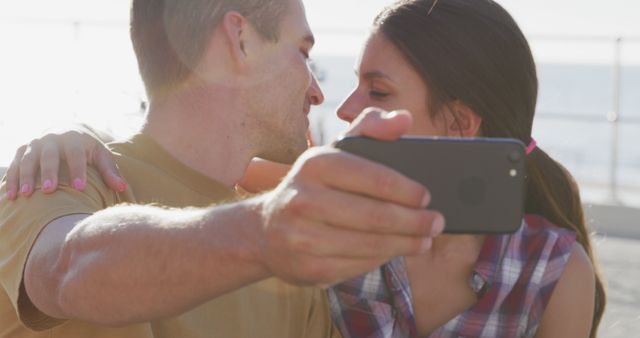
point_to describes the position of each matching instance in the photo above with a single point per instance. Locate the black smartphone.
(477, 184)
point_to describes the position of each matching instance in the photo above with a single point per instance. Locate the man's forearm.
(131, 264)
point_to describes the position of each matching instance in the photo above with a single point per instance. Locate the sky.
(54, 72)
(583, 17)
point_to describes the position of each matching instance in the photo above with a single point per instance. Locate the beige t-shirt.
(270, 308)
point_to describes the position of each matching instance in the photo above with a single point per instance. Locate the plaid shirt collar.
(489, 261)
(482, 277)
(387, 292)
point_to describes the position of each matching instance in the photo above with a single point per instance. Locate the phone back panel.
(477, 184)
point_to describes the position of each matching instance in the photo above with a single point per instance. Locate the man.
(227, 81)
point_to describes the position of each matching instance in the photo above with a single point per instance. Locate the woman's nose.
(348, 110)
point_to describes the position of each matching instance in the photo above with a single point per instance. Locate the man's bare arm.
(131, 264)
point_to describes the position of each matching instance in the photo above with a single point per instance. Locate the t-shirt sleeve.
(21, 222)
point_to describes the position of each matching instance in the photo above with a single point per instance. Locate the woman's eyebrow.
(376, 74)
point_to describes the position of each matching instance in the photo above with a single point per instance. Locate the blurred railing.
(613, 117)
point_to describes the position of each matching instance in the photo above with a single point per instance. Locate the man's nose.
(316, 97)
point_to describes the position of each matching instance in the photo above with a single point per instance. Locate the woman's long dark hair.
(473, 51)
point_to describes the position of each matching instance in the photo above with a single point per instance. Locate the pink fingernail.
(122, 186)
(78, 184)
(25, 189)
(47, 185)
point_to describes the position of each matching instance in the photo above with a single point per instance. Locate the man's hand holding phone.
(337, 215)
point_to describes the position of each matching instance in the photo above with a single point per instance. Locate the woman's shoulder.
(540, 244)
(536, 246)
(537, 228)
(527, 272)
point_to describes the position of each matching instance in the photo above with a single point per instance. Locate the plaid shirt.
(514, 277)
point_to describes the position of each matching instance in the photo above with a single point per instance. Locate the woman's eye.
(378, 94)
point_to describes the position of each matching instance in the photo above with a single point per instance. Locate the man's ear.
(466, 123)
(235, 26)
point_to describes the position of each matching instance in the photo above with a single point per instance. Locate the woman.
(463, 68)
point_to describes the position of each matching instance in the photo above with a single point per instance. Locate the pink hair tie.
(532, 146)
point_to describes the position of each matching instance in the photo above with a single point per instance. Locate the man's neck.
(211, 141)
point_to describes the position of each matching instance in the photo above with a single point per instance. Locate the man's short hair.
(170, 36)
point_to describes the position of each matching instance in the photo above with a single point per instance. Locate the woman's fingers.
(13, 174)
(103, 161)
(49, 167)
(43, 156)
(76, 157)
(29, 165)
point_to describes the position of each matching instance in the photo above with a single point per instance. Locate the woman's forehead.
(382, 58)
